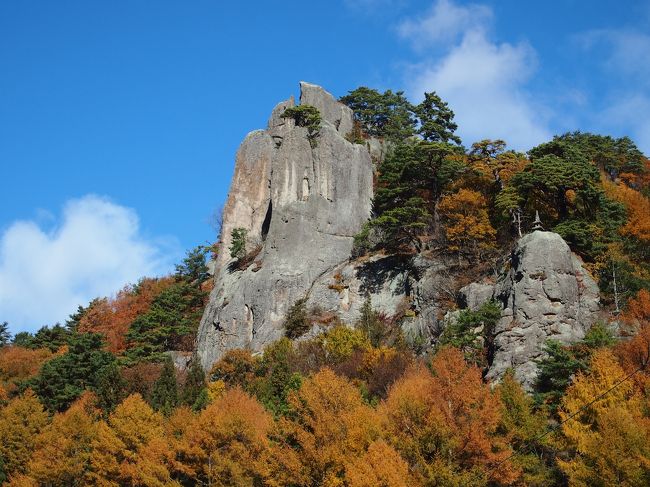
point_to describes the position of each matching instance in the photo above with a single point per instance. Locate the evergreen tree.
(297, 322)
(436, 120)
(557, 370)
(5, 335)
(388, 114)
(64, 378)
(164, 397)
(22, 339)
(411, 179)
(195, 386)
(73, 320)
(52, 338)
(276, 377)
(238, 243)
(463, 332)
(193, 269)
(111, 387)
(371, 324)
(172, 319)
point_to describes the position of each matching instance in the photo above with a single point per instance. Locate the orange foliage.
(468, 226)
(638, 210)
(130, 449)
(19, 364)
(112, 317)
(638, 309)
(329, 427)
(446, 423)
(226, 443)
(20, 422)
(63, 449)
(633, 353)
(609, 438)
(380, 466)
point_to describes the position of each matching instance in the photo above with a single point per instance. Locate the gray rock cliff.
(301, 206)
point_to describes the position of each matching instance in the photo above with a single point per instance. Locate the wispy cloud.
(484, 81)
(625, 52)
(444, 22)
(96, 248)
(625, 61)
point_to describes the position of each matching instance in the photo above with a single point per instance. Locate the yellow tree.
(468, 228)
(130, 448)
(328, 427)
(525, 426)
(20, 423)
(225, 445)
(609, 438)
(380, 466)
(64, 447)
(446, 424)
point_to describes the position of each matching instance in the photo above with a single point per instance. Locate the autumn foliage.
(111, 317)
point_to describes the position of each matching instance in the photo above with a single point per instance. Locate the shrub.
(297, 322)
(306, 116)
(238, 245)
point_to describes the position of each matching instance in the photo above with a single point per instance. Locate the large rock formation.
(301, 206)
(546, 294)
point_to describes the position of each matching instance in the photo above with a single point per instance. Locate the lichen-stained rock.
(546, 294)
(301, 206)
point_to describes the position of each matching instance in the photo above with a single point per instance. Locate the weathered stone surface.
(546, 294)
(474, 295)
(338, 114)
(409, 287)
(302, 207)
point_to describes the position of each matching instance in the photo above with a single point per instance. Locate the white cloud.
(624, 51)
(629, 116)
(625, 56)
(484, 82)
(95, 250)
(444, 22)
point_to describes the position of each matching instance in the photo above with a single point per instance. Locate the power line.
(571, 416)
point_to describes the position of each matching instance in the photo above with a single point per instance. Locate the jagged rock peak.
(546, 294)
(338, 114)
(301, 205)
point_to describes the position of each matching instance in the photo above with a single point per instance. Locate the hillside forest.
(113, 396)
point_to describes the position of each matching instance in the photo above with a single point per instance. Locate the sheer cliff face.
(302, 206)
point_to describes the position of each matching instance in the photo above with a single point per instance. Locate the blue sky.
(119, 120)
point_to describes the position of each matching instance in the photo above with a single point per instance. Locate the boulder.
(475, 295)
(546, 294)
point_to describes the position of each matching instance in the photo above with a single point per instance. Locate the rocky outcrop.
(301, 206)
(302, 203)
(546, 294)
(406, 287)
